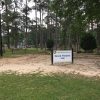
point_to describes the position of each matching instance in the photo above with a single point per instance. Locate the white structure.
(62, 56)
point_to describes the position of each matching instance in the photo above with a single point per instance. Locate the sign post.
(72, 56)
(52, 56)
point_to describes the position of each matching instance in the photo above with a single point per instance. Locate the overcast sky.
(32, 13)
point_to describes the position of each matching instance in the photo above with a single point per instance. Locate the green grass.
(55, 87)
(19, 52)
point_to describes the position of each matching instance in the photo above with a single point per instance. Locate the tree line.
(63, 21)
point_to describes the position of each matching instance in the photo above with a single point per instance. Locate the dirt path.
(88, 65)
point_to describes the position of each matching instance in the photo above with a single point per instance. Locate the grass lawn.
(55, 87)
(19, 52)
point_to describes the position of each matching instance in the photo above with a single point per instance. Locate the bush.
(88, 42)
(50, 43)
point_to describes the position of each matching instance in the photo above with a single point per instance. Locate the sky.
(32, 13)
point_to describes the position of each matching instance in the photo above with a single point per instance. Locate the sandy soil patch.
(88, 65)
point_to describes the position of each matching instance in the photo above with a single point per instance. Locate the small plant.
(50, 43)
(88, 42)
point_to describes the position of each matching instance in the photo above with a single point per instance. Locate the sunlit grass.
(55, 87)
(19, 52)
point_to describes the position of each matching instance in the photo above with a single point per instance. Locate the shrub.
(88, 42)
(50, 43)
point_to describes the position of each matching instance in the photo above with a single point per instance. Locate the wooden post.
(52, 56)
(72, 56)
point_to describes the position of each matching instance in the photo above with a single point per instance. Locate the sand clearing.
(88, 65)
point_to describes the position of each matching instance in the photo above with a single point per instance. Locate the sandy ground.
(88, 65)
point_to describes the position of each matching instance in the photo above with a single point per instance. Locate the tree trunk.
(36, 25)
(26, 36)
(8, 34)
(77, 43)
(1, 51)
(98, 38)
(16, 37)
(41, 34)
(56, 34)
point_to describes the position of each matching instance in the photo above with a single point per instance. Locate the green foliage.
(88, 42)
(70, 16)
(77, 15)
(50, 43)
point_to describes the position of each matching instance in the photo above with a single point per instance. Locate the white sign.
(62, 56)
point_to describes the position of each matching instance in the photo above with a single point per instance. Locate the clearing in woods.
(84, 64)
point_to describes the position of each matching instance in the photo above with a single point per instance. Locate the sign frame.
(52, 56)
